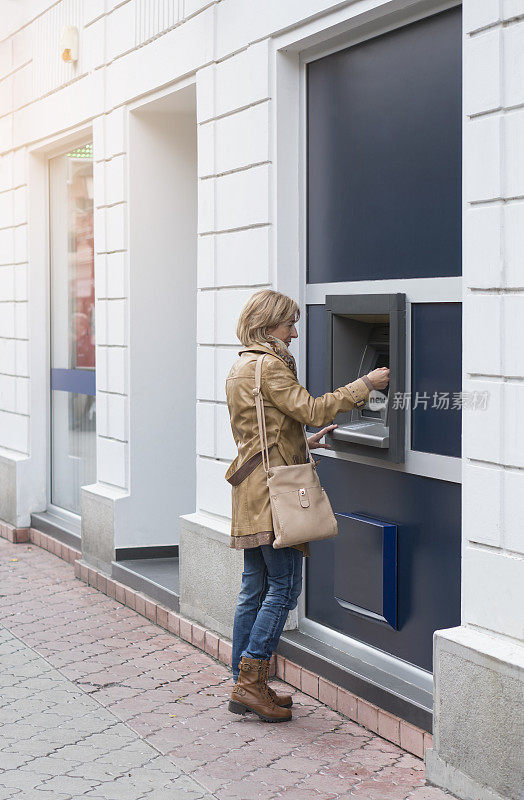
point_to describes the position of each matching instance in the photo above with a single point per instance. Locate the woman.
(272, 578)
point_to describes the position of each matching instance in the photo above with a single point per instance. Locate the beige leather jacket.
(287, 405)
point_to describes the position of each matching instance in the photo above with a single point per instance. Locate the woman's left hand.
(314, 441)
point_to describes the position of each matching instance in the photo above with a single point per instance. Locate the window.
(73, 413)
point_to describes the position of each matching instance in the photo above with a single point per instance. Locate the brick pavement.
(58, 743)
(150, 715)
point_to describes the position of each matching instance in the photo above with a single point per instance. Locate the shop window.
(384, 156)
(73, 383)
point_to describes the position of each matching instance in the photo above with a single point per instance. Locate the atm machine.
(365, 332)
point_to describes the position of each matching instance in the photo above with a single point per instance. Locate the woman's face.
(285, 331)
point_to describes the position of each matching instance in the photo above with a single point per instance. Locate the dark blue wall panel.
(384, 155)
(427, 513)
(426, 510)
(436, 367)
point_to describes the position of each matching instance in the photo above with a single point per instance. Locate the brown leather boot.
(284, 700)
(251, 693)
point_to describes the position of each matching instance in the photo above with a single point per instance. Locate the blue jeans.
(271, 585)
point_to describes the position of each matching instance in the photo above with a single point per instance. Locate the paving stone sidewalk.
(59, 743)
(98, 702)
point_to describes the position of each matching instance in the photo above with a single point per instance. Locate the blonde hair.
(265, 309)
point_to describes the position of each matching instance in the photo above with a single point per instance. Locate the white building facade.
(147, 189)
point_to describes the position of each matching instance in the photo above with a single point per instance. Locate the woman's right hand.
(379, 377)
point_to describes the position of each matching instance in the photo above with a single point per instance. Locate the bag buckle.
(303, 497)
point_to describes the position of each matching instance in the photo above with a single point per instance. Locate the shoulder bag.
(300, 507)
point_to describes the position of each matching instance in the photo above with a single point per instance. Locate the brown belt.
(246, 469)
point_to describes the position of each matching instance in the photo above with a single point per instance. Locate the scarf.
(280, 348)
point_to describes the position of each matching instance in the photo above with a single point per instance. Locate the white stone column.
(479, 666)
(235, 228)
(100, 500)
(22, 458)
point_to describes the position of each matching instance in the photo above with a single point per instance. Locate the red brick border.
(394, 729)
(12, 534)
(31, 535)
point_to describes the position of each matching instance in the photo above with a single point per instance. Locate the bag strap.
(261, 418)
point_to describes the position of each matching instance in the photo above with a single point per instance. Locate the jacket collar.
(257, 347)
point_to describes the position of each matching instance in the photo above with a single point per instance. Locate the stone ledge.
(213, 527)
(440, 773)
(210, 573)
(484, 647)
(479, 692)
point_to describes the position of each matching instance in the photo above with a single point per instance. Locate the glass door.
(72, 313)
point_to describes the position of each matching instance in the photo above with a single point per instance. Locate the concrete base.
(439, 773)
(210, 574)
(22, 488)
(478, 715)
(8, 490)
(99, 523)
